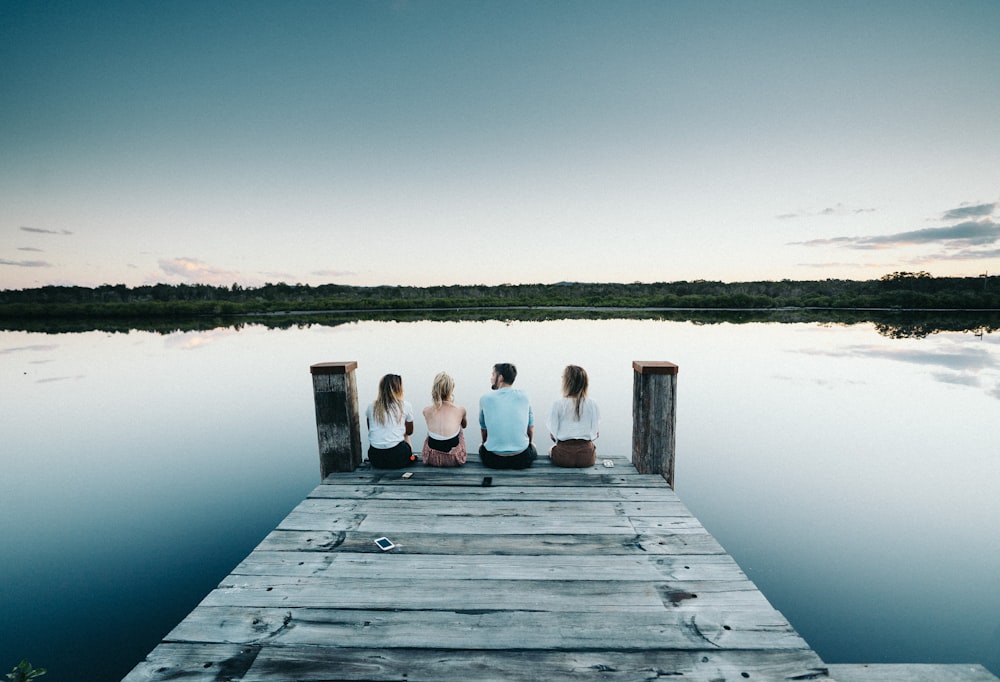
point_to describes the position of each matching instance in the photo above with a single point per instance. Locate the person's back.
(445, 442)
(565, 423)
(444, 420)
(506, 422)
(506, 415)
(574, 422)
(390, 423)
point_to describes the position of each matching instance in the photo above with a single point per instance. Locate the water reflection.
(851, 472)
(898, 324)
(975, 366)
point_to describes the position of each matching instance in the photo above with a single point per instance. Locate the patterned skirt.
(455, 457)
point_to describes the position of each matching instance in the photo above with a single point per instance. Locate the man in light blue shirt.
(506, 422)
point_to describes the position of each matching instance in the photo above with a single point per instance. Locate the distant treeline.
(900, 290)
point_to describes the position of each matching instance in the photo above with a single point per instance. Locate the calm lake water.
(852, 475)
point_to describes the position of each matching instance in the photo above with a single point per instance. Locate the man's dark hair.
(507, 371)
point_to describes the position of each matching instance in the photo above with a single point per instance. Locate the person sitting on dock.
(574, 422)
(506, 422)
(390, 423)
(445, 442)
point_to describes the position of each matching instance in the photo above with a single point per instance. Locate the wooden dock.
(547, 574)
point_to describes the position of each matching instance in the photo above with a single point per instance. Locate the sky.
(409, 142)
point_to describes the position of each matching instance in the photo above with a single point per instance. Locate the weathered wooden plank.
(470, 476)
(911, 672)
(549, 595)
(211, 662)
(195, 662)
(519, 544)
(320, 664)
(472, 516)
(620, 464)
(447, 567)
(665, 524)
(761, 628)
(430, 503)
(501, 481)
(385, 524)
(505, 492)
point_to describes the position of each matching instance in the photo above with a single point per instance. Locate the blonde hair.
(443, 388)
(390, 398)
(574, 382)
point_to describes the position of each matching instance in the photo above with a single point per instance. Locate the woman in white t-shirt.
(390, 423)
(574, 422)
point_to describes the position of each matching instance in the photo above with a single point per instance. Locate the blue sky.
(406, 142)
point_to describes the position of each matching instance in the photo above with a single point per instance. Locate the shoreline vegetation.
(902, 304)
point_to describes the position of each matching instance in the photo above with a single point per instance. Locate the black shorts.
(396, 457)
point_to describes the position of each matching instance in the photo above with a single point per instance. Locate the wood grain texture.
(548, 574)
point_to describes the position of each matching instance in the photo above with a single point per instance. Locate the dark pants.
(521, 460)
(396, 457)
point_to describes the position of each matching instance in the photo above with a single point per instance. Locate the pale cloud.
(840, 209)
(278, 276)
(39, 230)
(967, 240)
(964, 212)
(26, 263)
(836, 210)
(333, 273)
(29, 248)
(844, 266)
(969, 233)
(966, 234)
(194, 271)
(963, 255)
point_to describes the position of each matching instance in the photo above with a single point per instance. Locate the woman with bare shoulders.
(446, 421)
(574, 422)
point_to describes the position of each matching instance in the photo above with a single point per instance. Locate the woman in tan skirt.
(574, 422)
(445, 442)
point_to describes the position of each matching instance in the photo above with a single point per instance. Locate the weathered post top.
(333, 367)
(338, 422)
(654, 417)
(654, 367)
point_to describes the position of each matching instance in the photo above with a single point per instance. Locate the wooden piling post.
(654, 417)
(338, 425)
